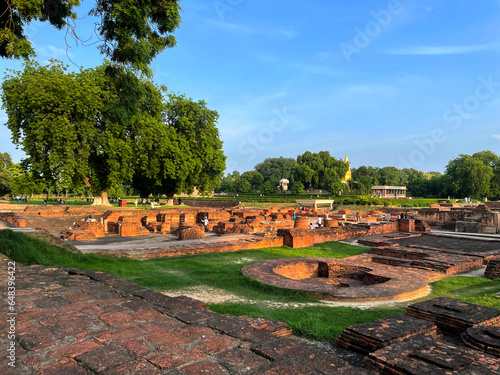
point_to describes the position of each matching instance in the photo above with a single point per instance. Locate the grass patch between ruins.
(223, 271)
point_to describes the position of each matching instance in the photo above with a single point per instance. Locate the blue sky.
(402, 83)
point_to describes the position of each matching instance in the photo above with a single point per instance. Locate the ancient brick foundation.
(454, 316)
(493, 269)
(371, 336)
(347, 279)
(192, 233)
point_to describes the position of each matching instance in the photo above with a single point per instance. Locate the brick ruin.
(267, 227)
(352, 278)
(414, 343)
(85, 322)
(387, 271)
(470, 219)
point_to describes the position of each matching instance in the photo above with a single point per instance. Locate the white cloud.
(497, 137)
(287, 33)
(233, 27)
(443, 50)
(322, 56)
(53, 52)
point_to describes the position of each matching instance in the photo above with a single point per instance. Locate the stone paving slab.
(425, 355)
(454, 316)
(371, 336)
(85, 322)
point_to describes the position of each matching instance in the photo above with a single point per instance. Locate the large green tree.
(254, 178)
(6, 172)
(106, 126)
(469, 176)
(274, 169)
(183, 153)
(319, 171)
(132, 32)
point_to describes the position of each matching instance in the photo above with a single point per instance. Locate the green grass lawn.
(223, 271)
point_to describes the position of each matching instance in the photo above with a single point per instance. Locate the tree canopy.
(319, 171)
(6, 172)
(106, 126)
(274, 169)
(475, 176)
(133, 33)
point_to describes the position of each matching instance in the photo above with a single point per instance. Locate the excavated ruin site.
(72, 321)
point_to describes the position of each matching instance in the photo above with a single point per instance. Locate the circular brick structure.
(331, 223)
(302, 222)
(340, 279)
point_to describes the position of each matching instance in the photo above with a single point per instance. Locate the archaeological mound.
(334, 279)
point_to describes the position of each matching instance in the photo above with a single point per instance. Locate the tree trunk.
(101, 200)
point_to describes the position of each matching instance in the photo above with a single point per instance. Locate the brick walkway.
(82, 322)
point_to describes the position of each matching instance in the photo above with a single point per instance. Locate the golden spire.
(348, 174)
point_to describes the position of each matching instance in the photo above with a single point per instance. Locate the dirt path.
(217, 296)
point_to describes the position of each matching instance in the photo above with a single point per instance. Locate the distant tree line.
(309, 171)
(476, 176)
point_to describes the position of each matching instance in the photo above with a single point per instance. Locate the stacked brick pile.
(94, 227)
(77, 235)
(10, 217)
(426, 355)
(84, 231)
(454, 316)
(493, 269)
(434, 260)
(192, 233)
(485, 338)
(371, 336)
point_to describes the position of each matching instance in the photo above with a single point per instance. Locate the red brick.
(196, 331)
(64, 367)
(169, 338)
(104, 358)
(239, 360)
(115, 318)
(86, 307)
(204, 367)
(216, 344)
(134, 368)
(75, 349)
(146, 315)
(119, 335)
(176, 357)
(136, 348)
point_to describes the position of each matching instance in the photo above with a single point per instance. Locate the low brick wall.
(296, 237)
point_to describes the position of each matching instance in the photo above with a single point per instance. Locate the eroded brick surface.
(486, 338)
(454, 316)
(425, 355)
(120, 328)
(371, 336)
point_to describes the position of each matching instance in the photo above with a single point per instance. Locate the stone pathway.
(83, 322)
